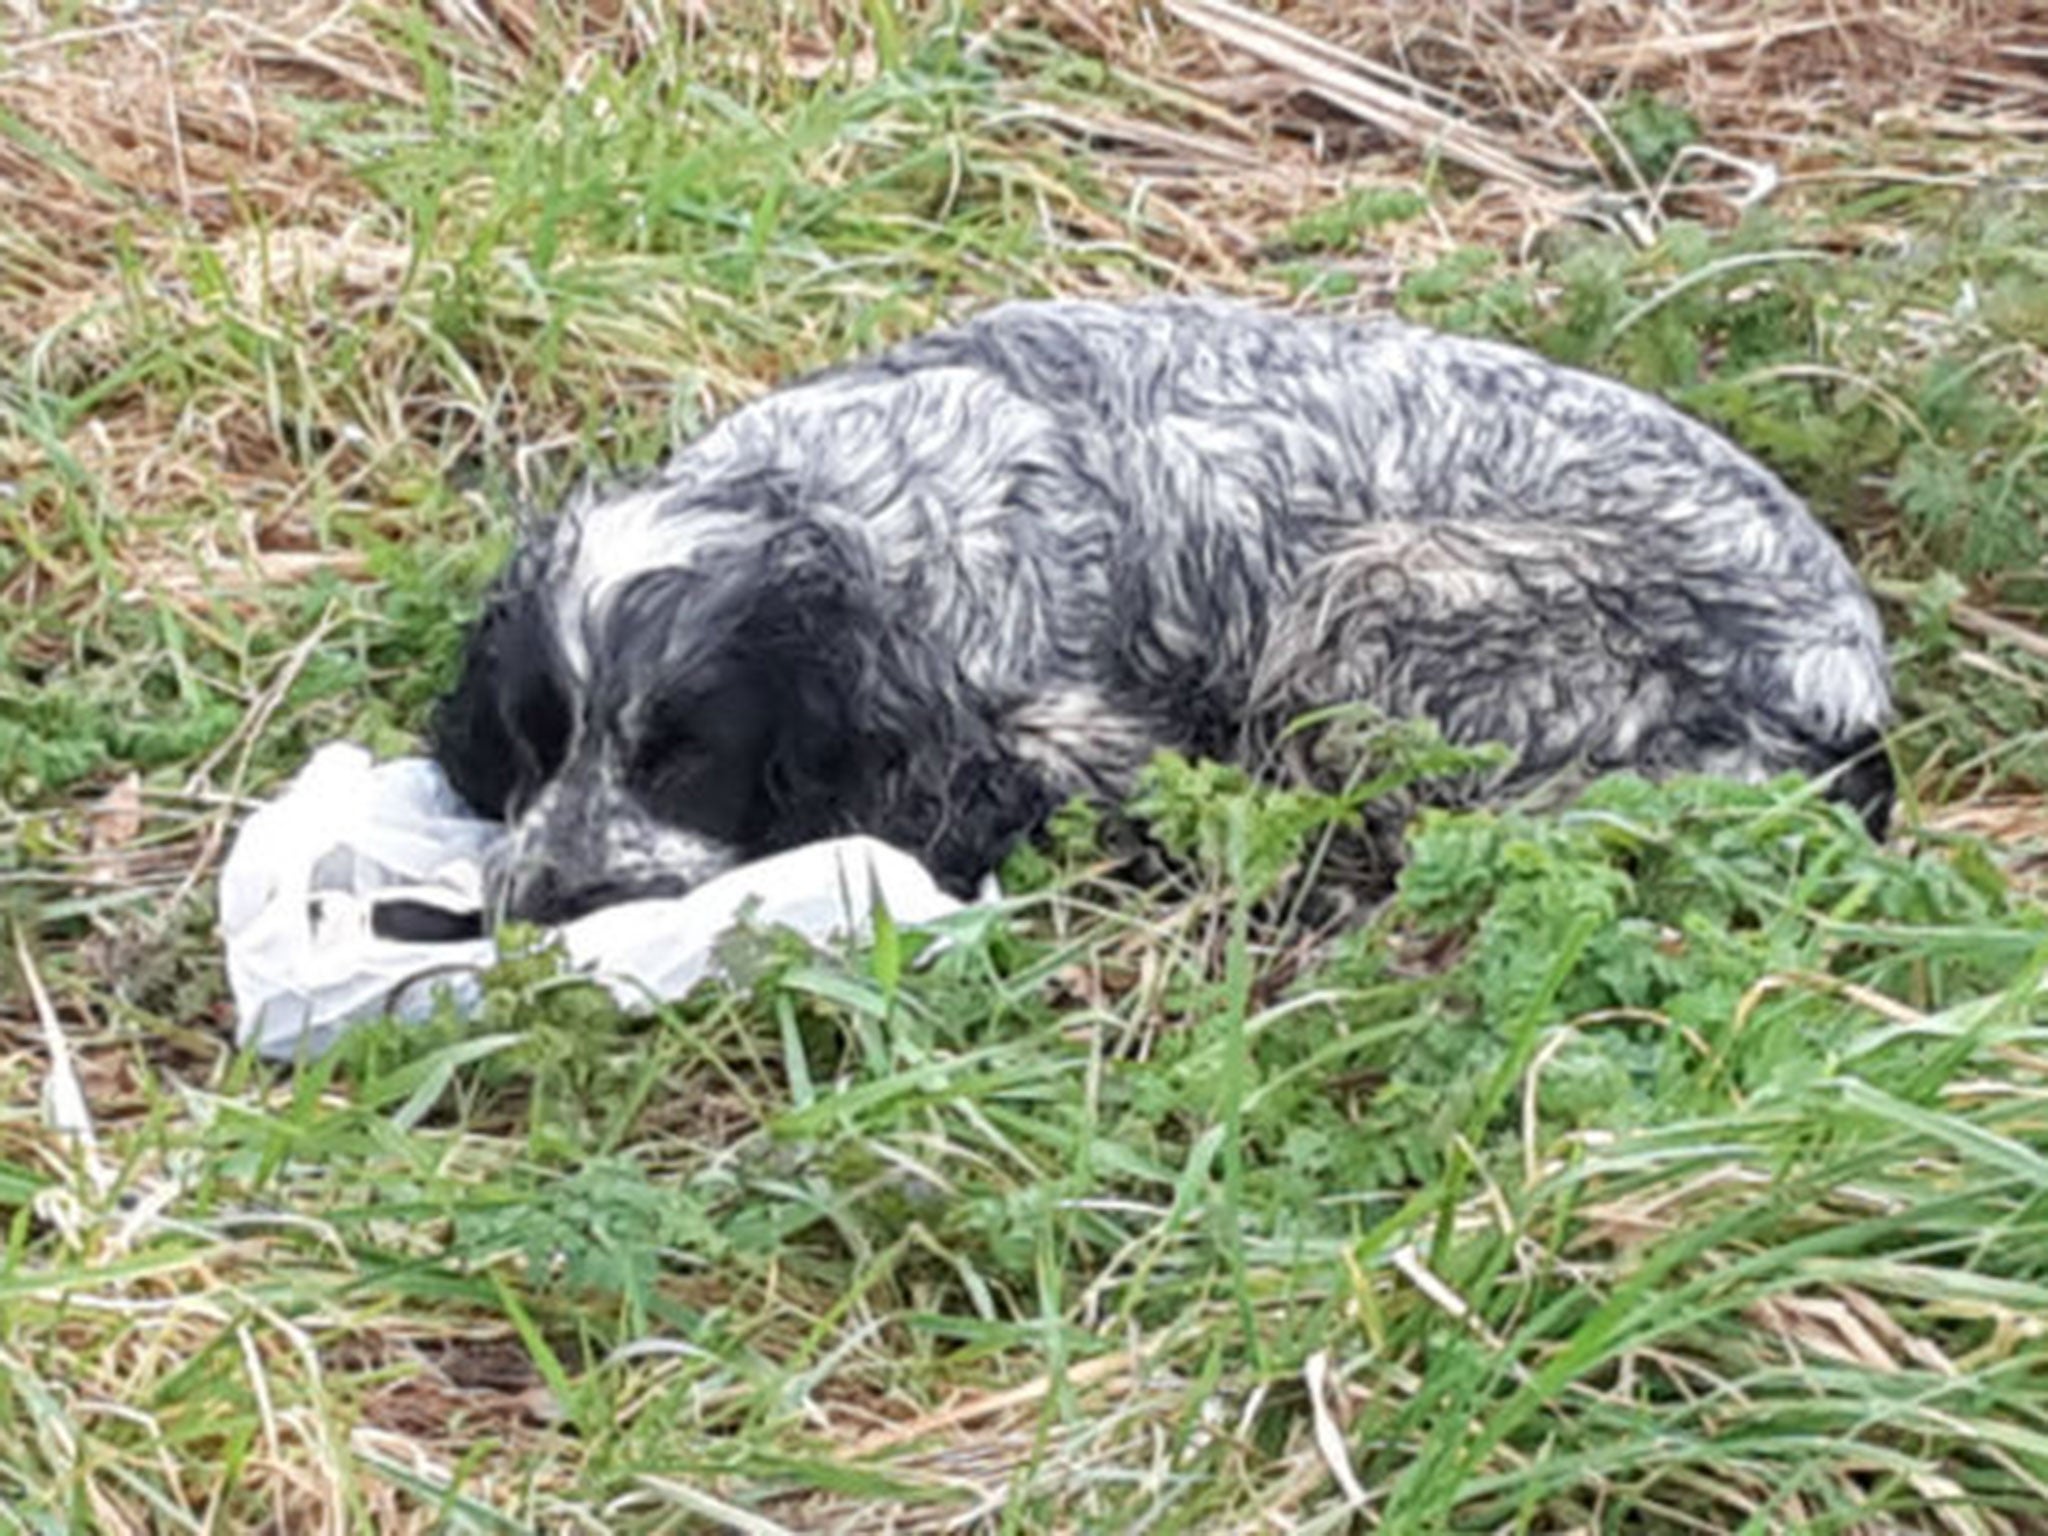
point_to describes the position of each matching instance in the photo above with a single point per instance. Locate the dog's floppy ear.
(810, 648)
(872, 728)
(504, 729)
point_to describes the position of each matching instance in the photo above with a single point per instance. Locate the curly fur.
(931, 595)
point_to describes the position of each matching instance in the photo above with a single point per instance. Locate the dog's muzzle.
(576, 851)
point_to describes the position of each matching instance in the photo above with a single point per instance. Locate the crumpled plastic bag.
(358, 893)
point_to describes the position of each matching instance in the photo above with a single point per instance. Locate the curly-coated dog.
(932, 595)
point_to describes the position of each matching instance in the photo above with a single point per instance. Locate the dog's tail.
(1860, 776)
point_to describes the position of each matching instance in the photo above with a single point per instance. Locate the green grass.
(1677, 1163)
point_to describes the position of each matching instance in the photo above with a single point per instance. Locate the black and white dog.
(932, 595)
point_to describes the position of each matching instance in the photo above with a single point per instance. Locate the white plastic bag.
(310, 872)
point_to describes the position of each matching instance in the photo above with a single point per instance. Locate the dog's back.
(1526, 552)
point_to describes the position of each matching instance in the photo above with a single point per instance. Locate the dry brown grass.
(1259, 114)
(184, 118)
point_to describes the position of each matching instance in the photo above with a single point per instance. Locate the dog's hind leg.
(1582, 652)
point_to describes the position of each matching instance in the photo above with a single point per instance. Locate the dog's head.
(650, 685)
